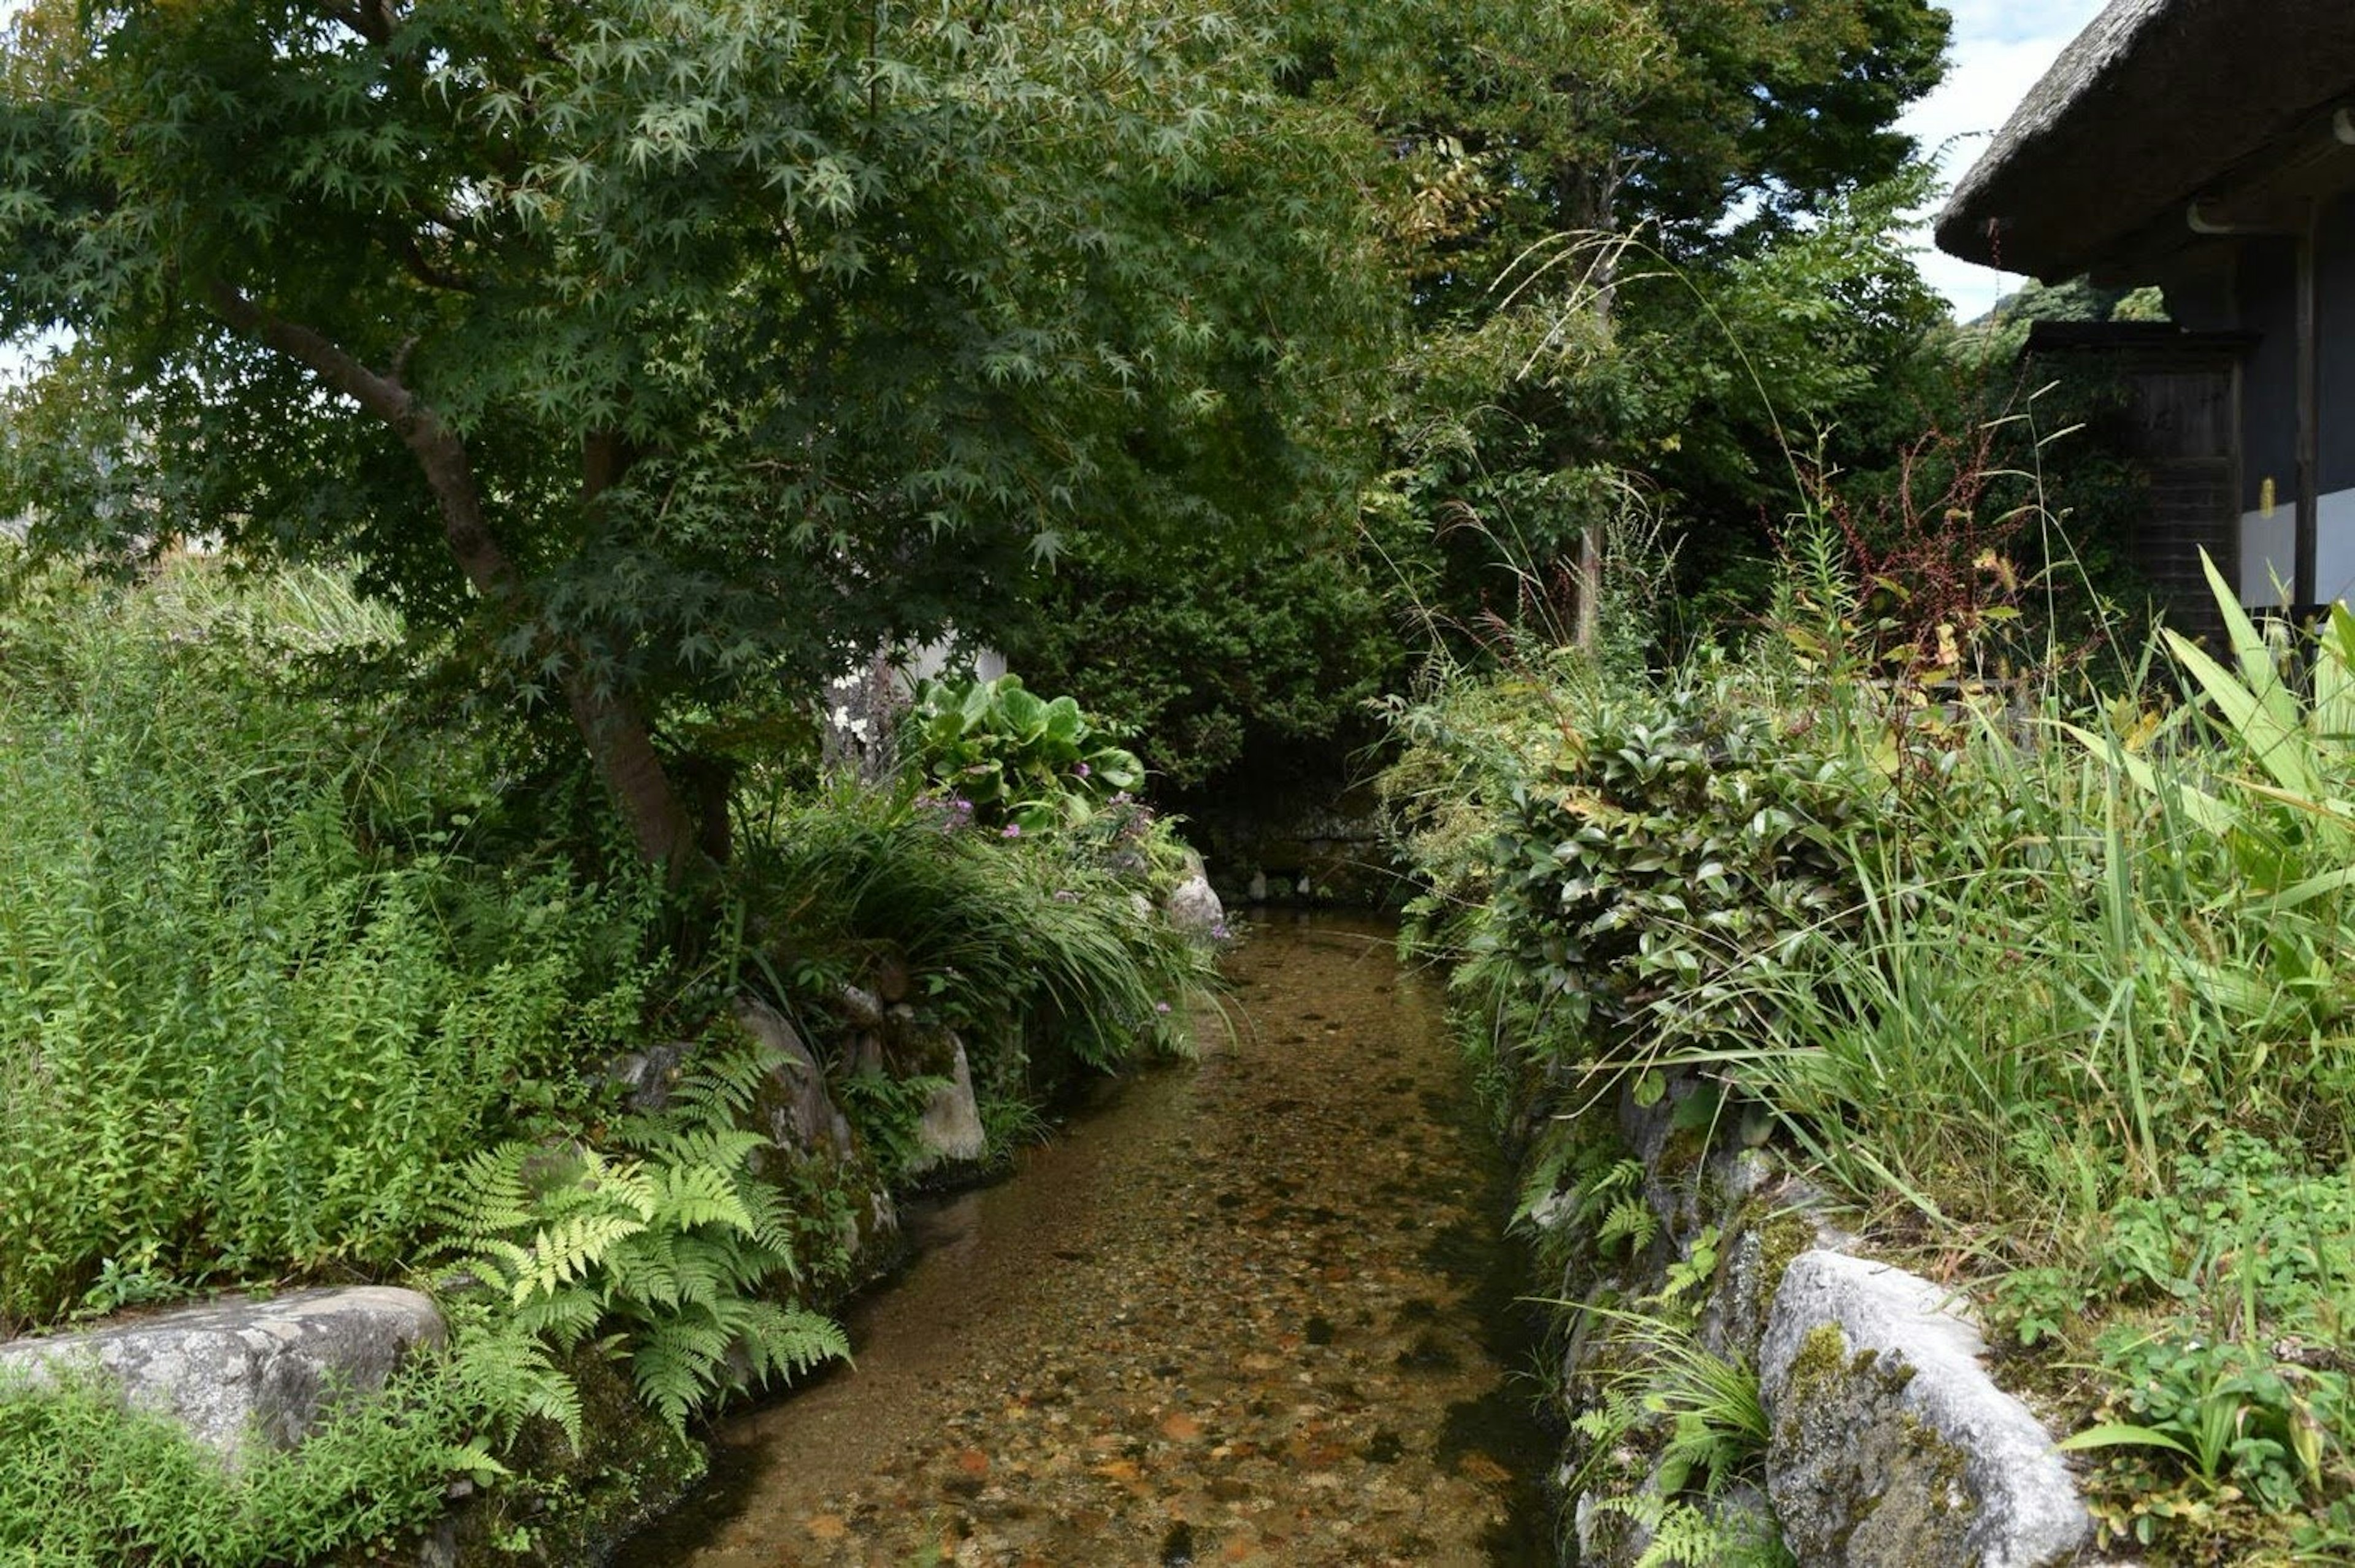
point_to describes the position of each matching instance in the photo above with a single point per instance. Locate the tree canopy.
(661, 349)
(1643, 237)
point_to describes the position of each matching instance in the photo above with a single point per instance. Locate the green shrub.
(255, 1000)
(2035, 971)
(1034, 942)
(667, 1251)
(1238, 657)
(1645, 854)
(86, 1483)
(1013, 757)
(269, 1007)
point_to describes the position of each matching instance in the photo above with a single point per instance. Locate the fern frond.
(1631, 1221)
(566, 1317)
(645, 1275)
(666, 1250)
(568, 1250)
(1688, 1535)
(771, 1231)
(489, 1198)
(687, 1196)
(786, 1341)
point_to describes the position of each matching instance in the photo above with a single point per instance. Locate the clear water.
(1252, 1311)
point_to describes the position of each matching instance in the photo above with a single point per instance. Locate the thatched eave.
(2152, 105)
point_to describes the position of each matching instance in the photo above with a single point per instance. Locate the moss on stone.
(1865, 1481)
(572, 1506)
(1821, 1357)
(1784, 1234)
(1683, 1154)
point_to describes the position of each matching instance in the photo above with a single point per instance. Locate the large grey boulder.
(1891, 1447)
(801, 1114)
(238, 1372)
(1195, 909)
(949, 1133)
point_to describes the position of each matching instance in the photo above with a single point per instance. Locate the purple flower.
(1013, 830)
(1082, 769)
(1160, 1007)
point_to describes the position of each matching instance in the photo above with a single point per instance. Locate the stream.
(1250, 1311)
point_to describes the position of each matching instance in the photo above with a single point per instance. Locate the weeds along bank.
(305, 980)
(2042, 998)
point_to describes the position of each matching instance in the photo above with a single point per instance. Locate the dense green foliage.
(1232, 662)
(293, 989)
(649, 363)
(674, 350)
(683, 354)
(259, 994)
(85, 1484)
(1642, 249)
(1024, 946)
(2027, 979)
(1643, 238)
(1011, 757)
(663, 1248)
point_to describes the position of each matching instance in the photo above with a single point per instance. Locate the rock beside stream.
(1889, 1443)
(238, 1372)
(1891, 1447)
(950, 1133)
(801, 1114)
(1195, 909)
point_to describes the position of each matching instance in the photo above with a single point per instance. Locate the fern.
(667, 1246)
(1702, 1418)
(1688, 1534)
(1630, 1221)
(500, 1366)
(1559, 1158)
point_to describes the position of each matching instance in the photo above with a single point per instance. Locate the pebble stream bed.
(1253, 1310)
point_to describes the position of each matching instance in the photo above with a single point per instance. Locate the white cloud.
(2001, 49)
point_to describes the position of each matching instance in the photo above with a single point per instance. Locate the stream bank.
(1253, 1310)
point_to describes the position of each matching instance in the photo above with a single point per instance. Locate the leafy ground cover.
(2049, 985)
(303, 981)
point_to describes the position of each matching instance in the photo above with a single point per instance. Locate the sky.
(2000, 47)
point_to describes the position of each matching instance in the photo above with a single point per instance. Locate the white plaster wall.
(2269, 545)
(935, 659)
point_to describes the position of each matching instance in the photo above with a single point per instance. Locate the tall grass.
(1026, 943)
(2052, 986)
(2134, 940)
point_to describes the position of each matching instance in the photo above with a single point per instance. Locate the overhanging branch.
(440, 452)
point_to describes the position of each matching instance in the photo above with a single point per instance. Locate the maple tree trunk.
(623, 747)
(619, 739)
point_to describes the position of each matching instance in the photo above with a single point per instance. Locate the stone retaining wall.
(1891, 1444)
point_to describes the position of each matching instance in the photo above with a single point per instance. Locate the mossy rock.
(1860, 1480)
(1891, 1446)
(563, 1506)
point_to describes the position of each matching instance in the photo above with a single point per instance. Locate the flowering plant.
(1025, 762)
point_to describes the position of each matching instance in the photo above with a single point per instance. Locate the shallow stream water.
(1249, 1311)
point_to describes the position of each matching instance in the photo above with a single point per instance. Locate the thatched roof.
(2151, 104)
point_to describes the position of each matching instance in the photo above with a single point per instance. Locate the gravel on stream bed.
(1251, 1311)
